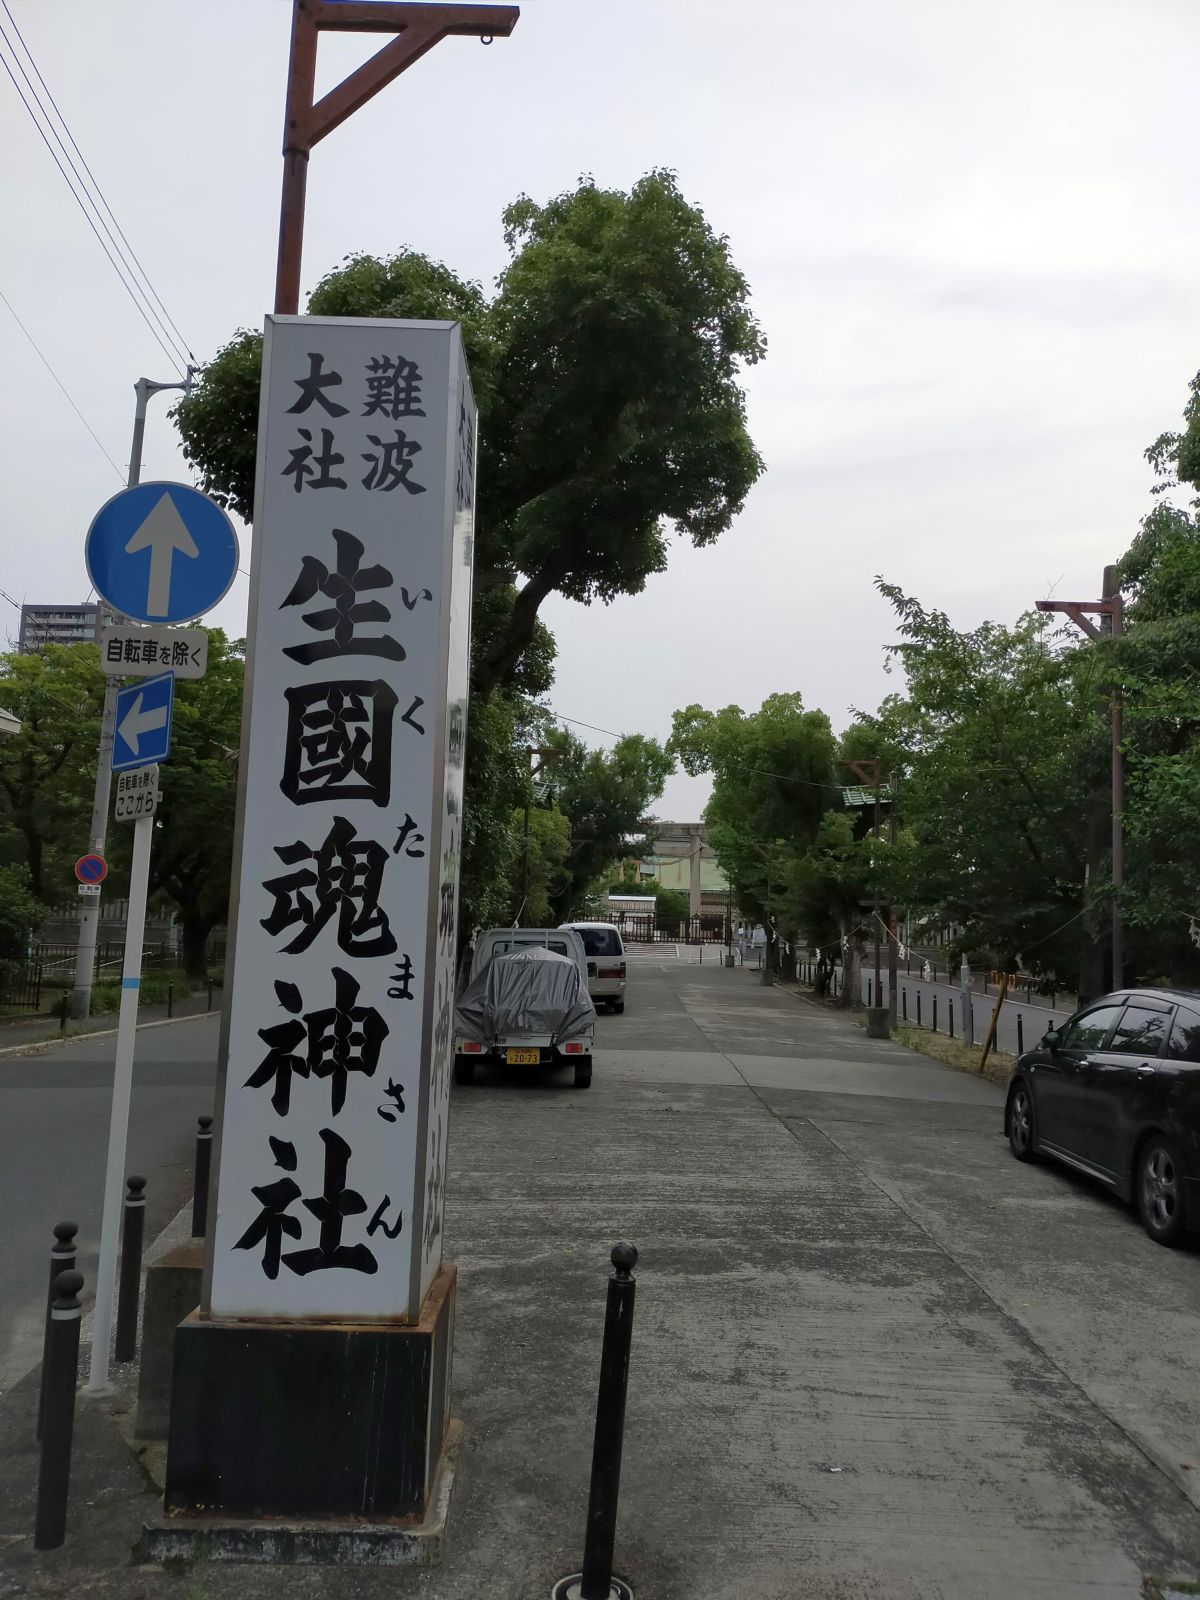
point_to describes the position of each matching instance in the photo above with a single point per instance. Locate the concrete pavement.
(54, 1113)
(873, 1356)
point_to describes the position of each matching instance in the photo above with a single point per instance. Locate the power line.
(95, 185)
(132, 288)
(63, 387)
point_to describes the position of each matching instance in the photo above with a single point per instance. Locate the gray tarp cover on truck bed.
(530, 991)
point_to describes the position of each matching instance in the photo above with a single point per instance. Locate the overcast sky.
(971, 231)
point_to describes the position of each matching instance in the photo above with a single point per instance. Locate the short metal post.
(918, 1008)
(210, 994)
(904, 1003)
(935, 1013)
(133, 1227)
(58, 1423)
(170, 998)
(1020, 1035)
(64, 1011)
(204, 1143)
(62, 1259)
(596, 1581)
(950, 1012)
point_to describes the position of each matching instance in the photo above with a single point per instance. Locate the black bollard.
(204, 1140)
(62, 1259)
(210, 994)
(918, 1008)
(133, 1227)
(950, 1010)
(935, 1013)
(58, 1423)
(596, 1581)
(904, 1003)
(170, 998)
(1020, 1036)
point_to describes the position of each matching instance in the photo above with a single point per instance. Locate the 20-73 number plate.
(523, 1058)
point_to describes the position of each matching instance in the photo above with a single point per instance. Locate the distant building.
(62, 624)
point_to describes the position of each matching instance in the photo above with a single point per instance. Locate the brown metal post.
(419, 27)
(302, 78)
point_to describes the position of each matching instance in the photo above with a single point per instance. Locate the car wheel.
(464, 1069)
(583, 1077)
(1018, 1122)
(1160, 1190)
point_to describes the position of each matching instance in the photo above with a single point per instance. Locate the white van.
(526, 1048)
(605, 951)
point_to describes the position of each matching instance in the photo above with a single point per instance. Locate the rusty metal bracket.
(418, 28)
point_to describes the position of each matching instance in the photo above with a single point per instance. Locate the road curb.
(40, 1045)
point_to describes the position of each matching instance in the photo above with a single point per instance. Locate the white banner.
(336, 1060)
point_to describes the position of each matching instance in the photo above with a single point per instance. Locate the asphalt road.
(54, 1115)
(874, 1358)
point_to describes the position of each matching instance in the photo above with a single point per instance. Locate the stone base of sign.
(879, 1022)
(326, 1543)
(310, 1423)
(172, 1291)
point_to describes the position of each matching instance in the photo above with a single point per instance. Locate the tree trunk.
(768, 957)
(195, 930)
(850, 998)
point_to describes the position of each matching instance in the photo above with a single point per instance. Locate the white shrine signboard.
(336, 1057)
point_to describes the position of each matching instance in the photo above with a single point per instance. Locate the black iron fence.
(20, 986)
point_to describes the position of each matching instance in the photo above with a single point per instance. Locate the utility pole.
(538, 756)
(418, 27)
(89, 915)
(871, 772)
(1111, 611)
(893, 943)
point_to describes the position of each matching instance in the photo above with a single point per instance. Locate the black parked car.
(1115, 1093)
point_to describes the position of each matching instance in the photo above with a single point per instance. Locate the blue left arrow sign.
(142, 735)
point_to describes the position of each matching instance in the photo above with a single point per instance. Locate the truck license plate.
(523, 1058)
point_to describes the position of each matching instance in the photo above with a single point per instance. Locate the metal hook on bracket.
(487, 38)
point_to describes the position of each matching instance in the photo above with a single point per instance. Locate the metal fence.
(20, 986)
(642, 928)
(58, 960)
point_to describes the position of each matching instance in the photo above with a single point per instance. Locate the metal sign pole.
(118, 1128)
(89, 916)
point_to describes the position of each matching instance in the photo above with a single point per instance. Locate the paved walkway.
(874, 1358)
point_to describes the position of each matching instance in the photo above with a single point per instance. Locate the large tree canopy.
(773, 781)
(606, 368)
(606, 371)
(606, 796)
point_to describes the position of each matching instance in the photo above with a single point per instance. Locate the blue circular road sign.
(161, 552)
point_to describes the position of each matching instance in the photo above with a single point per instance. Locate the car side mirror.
(1052, 1039)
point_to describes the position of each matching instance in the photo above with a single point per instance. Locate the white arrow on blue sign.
(161, 552)
(143, 729)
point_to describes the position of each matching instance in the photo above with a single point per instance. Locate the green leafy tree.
(21, 912)
(191, 860)
(773, 780)
(999, 754)
(541, 870)
(1157, 666)
(48, 770)
(606, 796)
(606, 368)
